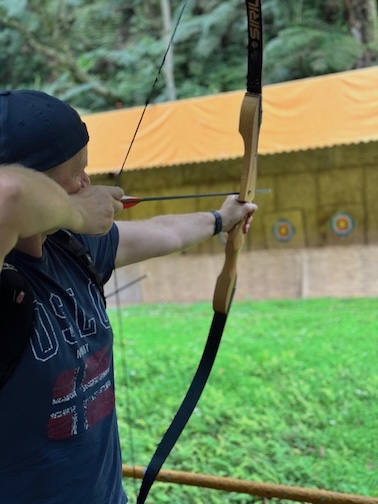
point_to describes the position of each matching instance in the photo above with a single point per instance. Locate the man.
(58, 429)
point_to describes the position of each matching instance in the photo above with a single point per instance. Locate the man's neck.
(32, 245)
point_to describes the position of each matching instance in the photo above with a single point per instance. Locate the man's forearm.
(31, 203)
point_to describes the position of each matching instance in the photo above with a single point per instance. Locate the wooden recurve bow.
(250, 121)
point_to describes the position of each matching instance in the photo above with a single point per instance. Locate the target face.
(342, 224)
(283, 230)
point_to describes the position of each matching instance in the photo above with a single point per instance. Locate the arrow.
(130, 201)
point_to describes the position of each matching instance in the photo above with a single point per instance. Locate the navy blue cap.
(37, 130)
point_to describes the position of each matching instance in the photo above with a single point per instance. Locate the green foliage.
(211, 55)
(308, 39)
(292, 398)
(302, 51)
(104, 54)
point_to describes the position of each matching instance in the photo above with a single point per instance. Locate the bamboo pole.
(268, 490)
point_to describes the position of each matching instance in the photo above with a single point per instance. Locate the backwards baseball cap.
(37, 130)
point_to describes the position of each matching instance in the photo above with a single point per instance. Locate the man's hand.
(233, 212)
(97, 206)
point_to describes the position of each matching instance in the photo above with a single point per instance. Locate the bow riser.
(249, 126)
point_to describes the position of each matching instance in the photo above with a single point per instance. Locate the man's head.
(38, 131)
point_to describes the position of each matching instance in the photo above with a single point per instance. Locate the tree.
(169, 66)
(362, 19)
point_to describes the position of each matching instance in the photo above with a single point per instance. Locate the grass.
(292, 398)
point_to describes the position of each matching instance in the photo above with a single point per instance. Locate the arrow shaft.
(129, 201)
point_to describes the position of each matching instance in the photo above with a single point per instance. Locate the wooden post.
(268, 490)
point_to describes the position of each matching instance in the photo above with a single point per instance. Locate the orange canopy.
(305, 114)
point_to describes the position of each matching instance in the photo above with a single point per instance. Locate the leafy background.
(104, 54)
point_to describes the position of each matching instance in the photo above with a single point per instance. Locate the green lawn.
(292, 398)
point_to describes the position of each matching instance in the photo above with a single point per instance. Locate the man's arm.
(165, 234)
(31, 203)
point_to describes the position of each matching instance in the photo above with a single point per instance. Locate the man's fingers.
(247, 222)
(116, 192)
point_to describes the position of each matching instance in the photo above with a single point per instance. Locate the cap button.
(4, 92)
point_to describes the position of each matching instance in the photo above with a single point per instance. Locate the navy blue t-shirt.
(59, 440)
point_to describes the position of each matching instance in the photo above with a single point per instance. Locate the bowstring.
(125, 371)
(149, 96)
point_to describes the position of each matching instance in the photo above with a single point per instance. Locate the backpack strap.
(78, 251)
(16, 318)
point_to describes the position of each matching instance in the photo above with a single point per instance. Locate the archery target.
(342, 224)
(283, 230)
